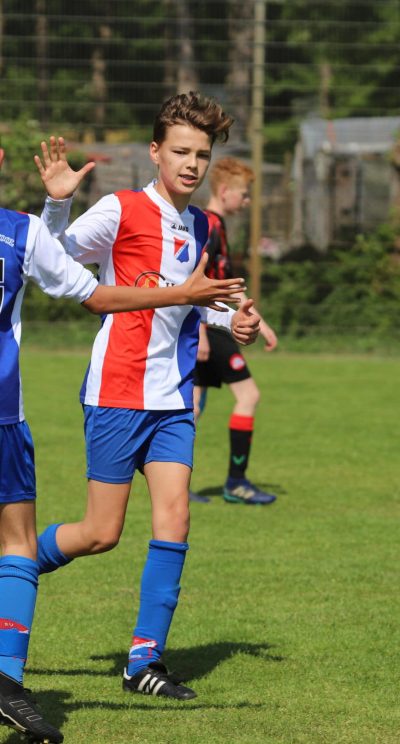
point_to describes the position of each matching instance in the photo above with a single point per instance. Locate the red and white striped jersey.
(141, 359)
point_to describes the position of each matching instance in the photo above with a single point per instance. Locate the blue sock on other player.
(158, 598)
(50, 556)
(18, 589)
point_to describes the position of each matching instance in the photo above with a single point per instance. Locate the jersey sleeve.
(213, 317)
(56, 273)
(56, 215)
(90, 238)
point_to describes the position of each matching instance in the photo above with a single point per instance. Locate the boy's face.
(182, 160)
(235, 196)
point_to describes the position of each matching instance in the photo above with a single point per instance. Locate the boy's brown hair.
(226, 170)
(194, 109)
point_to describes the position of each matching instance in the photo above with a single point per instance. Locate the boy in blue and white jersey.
(28, 251)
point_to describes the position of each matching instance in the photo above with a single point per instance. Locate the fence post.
(257, 146)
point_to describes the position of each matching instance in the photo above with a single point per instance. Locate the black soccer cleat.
(19, 712)
(155, 680)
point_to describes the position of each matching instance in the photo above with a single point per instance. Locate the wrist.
(51, 200)
(179, 294)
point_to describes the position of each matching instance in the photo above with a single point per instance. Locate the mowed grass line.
(287, 625)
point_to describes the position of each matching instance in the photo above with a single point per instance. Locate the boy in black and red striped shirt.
(219, 358)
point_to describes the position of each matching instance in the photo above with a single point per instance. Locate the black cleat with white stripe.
(155, 680)
(19, 712)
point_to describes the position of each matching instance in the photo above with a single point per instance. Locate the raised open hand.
(58, 178)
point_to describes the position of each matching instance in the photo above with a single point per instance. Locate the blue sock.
(158, 598)
(18, 589)
(49, 555)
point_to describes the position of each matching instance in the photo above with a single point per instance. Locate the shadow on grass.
(193, 663)
(190, 663)
(216, 491)
(56, 706)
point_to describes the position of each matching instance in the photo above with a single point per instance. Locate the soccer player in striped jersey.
(29, 252)
(219, 359)
(138, 390)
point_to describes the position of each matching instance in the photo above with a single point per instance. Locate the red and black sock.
(241, 431)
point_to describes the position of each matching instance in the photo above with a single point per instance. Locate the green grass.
(288, 623)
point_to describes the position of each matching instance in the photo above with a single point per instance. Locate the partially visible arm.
(196, 290)
(55, 215)
(123, 299)
(213, 317)
(90, 238)
(203, 351)
(56, 273)
(47, 264)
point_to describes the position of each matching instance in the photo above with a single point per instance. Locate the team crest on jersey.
(151, 279)
(181, 250)
(236, 362)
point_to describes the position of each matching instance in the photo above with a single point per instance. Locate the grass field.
(288, 624)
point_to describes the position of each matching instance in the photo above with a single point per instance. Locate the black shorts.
(225, 363)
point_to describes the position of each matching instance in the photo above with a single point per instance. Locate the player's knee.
(178, 519)
(102, 540)
(106, 542)
(252, 397)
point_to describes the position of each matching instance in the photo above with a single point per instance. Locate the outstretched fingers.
(39, 165)
(51, 153)
(86, 169)
(236, 283)
(219, 308)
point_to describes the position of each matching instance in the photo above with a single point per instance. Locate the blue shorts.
(119, 440)
(17, 463)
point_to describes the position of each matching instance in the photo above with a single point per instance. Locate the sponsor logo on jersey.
(7, 240)
(181, 250)
(174, 226)
(236, 362)
(6, 624)
(151, 279)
